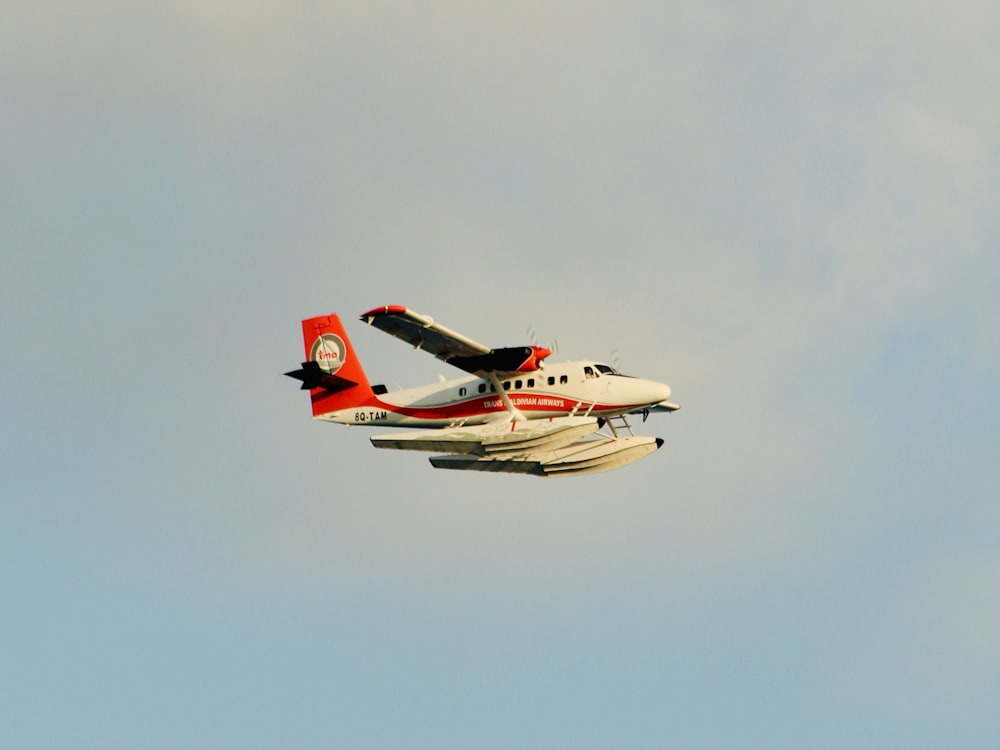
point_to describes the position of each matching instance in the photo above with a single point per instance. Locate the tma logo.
(329, 352)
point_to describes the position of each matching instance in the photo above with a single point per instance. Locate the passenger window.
(493, 388)
(506, 385)
(531, 382)
(552, 380)
(482, 387)
(461, 391)
(518, 384)
(563, 379)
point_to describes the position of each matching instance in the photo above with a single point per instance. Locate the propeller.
(533, 340)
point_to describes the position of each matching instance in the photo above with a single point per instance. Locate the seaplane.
(510, 412)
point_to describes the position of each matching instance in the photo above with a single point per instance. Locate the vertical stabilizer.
(331, 372)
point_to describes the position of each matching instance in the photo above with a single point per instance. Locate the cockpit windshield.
(607, 369)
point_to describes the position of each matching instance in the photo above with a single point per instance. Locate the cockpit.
(596, 370)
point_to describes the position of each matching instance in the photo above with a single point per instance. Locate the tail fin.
(332, 372)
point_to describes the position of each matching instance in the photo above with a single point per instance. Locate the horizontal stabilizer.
(585, 457)
(498, 438)
(313, 376)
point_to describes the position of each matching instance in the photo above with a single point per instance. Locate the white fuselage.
(567, 388)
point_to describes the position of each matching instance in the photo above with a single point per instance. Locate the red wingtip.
(384, 310)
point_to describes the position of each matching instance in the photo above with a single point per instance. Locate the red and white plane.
(510, 414)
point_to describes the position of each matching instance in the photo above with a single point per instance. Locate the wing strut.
(515, 414)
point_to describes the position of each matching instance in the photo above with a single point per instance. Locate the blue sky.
(786, 212)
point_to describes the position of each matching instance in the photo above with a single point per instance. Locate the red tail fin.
(332, 371)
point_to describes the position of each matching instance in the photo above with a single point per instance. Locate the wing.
(423, 333)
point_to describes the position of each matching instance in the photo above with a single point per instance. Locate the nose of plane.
(659, 391)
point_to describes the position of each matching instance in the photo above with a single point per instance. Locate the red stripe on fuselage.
(492, 404)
